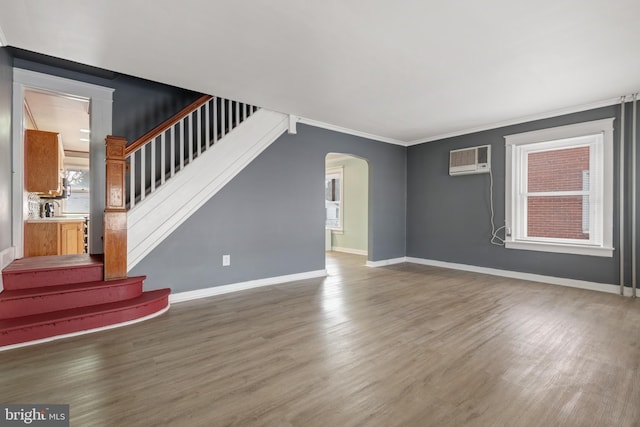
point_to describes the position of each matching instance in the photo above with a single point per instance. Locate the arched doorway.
(346, 204)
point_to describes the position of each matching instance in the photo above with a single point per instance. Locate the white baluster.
(215, 120)
(190, 120)
(182, 133)
(222, 117)
(207, 135)
(143, 172)
(132, 180)
(182, 144)
(153, 165)
(173, 150)
(230, 117)
(237, 114)
(199, 130)
(163, 157)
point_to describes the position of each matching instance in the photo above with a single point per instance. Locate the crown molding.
(348, 131)
(495, 125)
(524, 119)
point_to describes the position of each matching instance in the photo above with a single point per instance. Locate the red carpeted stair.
(45, 297)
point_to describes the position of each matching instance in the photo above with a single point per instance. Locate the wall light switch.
(226, 260)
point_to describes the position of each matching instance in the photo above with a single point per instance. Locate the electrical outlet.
(226, 260)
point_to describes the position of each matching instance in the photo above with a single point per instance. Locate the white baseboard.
(350, 251)
(6, 257)
(241, 286)
(573, 283)
(385, 262)
(551, 280)
(88, 331)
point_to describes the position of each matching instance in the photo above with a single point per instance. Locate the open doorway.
(346, 205)
(57, 181)
(100, 104)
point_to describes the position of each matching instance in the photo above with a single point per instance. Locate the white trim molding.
(481, 128)
(350, 250)
(101, 100)
(163, 211)
(85, 332)
(293, 121)
(339, 171)
(525, 119)
(551, 280)
(597, 136)
(6, 257)
(561, 249)
(241, 286)
(3, 38)
(341, 129)
(385, 262)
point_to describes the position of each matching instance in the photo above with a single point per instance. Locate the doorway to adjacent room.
(346, 204)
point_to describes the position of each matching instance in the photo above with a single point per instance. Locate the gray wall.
(448, 217)
(6, 86)
(270, 217)
(138, 104)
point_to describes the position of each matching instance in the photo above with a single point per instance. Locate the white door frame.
(100, 102)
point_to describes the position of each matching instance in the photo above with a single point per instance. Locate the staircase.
(177, 167)
(50, 297)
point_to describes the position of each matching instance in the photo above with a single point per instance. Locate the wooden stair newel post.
(115, 213)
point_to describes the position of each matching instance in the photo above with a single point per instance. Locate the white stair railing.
(160, 154)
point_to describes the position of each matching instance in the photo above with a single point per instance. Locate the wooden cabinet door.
(71, 238)
(41, 162)
(41, 238)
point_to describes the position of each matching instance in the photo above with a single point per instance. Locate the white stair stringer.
(161, 212)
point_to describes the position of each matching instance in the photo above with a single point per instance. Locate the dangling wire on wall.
(495, 239)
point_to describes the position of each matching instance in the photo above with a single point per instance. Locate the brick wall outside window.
(557, 170)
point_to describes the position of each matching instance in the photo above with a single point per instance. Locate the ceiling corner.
(3, 39)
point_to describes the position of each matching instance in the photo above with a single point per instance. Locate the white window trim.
(513, 142)
(340, 171)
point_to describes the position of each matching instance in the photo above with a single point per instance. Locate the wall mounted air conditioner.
(470, 160)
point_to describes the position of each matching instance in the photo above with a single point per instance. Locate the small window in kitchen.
(79, 195)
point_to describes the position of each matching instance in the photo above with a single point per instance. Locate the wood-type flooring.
(404, 345)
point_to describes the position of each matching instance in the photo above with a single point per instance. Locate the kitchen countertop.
(69, 218)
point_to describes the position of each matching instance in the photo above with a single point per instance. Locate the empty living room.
(331, 214)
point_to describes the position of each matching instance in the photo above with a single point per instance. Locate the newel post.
(115, 213)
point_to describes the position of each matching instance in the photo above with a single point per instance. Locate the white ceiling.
(408, 70)
(62, 114)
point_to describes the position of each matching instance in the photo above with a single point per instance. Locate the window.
(333, 198)
(78, 200)
(559, 189)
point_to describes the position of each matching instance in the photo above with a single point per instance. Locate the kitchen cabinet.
(71, 238)
(43, 162)
(53, 237)
(40, 238)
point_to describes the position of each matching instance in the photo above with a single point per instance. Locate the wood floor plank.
(400, 345)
